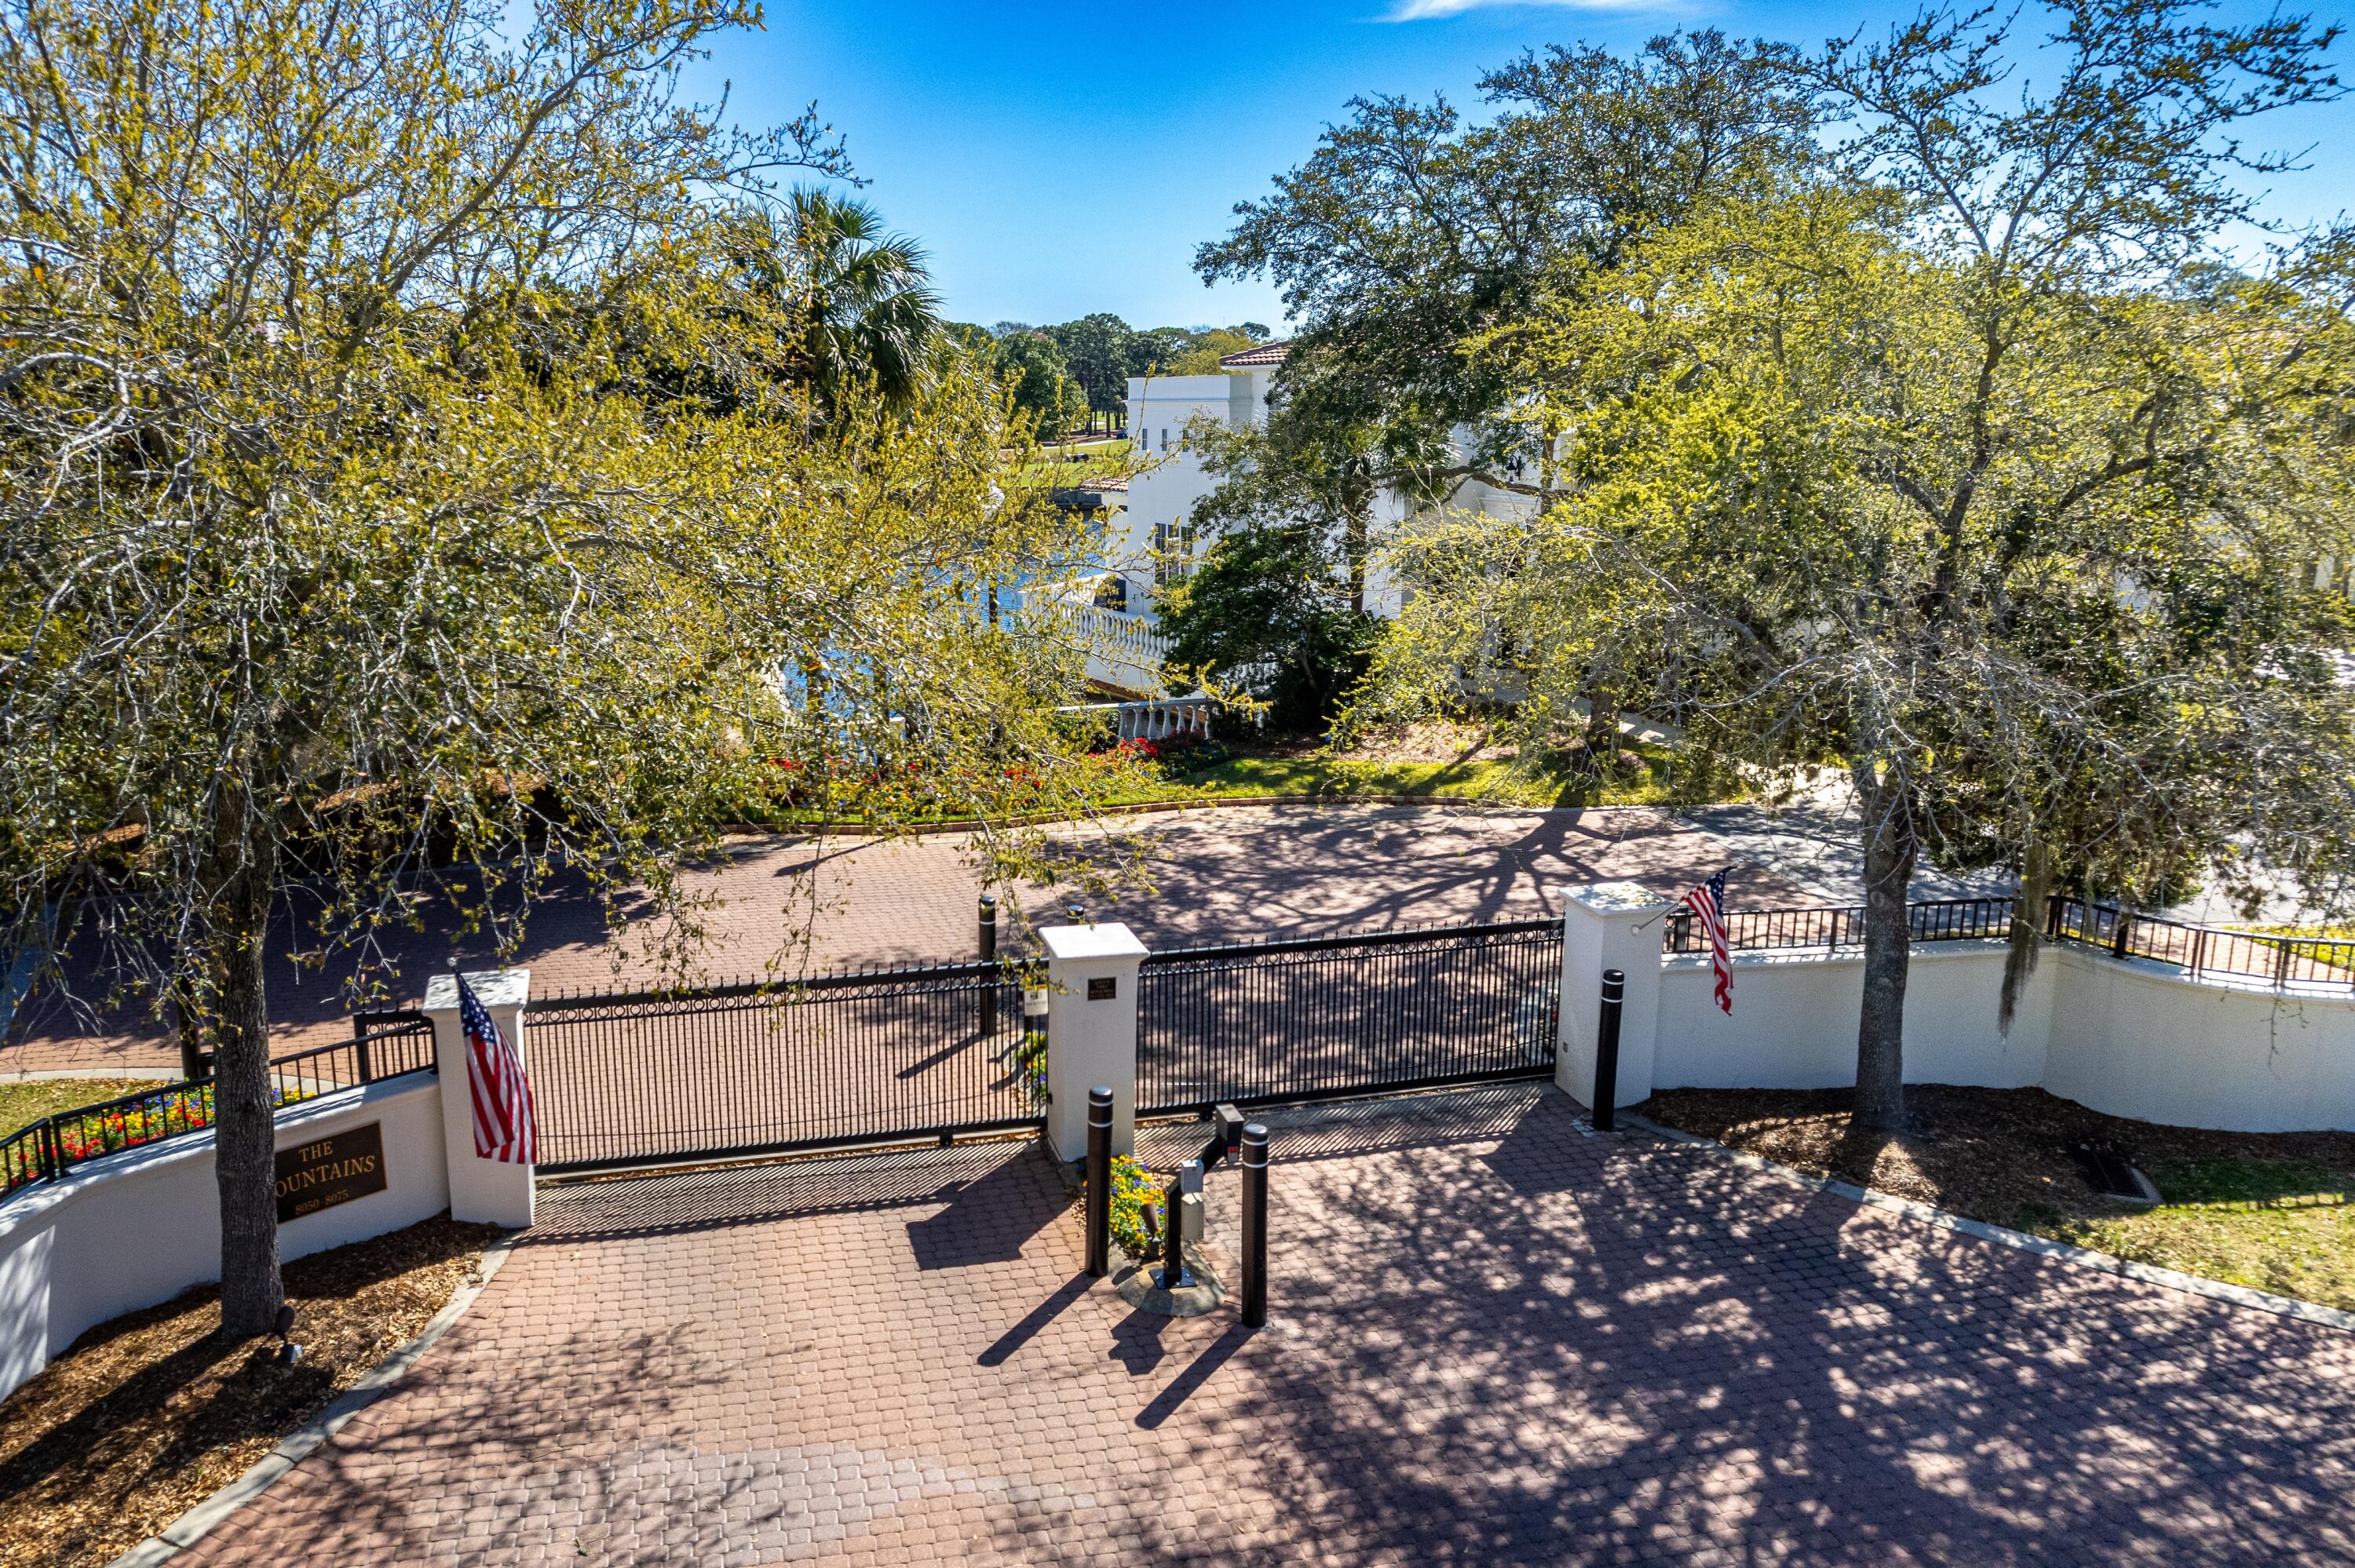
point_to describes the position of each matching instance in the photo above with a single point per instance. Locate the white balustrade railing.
(1156, 719)
(1125, 652)
(1131, 635)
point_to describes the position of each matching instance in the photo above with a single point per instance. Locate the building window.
(1165, 438)
(1173, 552)
(1112, 594)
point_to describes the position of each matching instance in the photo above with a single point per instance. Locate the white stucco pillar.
(481, 1191)
(1090, 1033)
(1600, 930)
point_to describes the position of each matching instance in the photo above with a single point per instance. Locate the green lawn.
(1084, 460)
(1262, 777)
(2270, 1225)
(2338, 953)
(22, 1104)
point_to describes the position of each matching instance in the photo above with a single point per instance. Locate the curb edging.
(299, 1443)
(2018, 1241)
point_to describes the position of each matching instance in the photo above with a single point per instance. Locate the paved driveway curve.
(1496, 1337)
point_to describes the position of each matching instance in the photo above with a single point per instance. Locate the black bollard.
(1099, 1183)
(1254, 1238)
(989, 951)
(1607, 1050)
(1173, 1275)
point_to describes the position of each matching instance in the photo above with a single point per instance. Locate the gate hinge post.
(481, 1191)
(1092, 975)
(1609, 926)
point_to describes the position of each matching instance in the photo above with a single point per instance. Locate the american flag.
(507, 1126)
(1708, 901)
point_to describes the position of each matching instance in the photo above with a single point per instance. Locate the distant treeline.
(1064, 373)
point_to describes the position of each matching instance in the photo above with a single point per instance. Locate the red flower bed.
(150, 1118)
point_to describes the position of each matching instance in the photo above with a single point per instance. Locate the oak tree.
(406, 479)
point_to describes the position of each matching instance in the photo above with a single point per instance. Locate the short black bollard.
(1173, 1275)
(990, 952)
(1099, 1183)
(1607, 1050)
(1254, 1238)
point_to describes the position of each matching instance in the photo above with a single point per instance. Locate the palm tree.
(865, 296)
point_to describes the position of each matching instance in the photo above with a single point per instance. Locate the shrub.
(1133, 1190)
(1029, 1061)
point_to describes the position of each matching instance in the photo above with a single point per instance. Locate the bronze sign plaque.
(330, 1171)
(1102, 990)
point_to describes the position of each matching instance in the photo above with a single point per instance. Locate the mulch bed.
(1991, 1154)
(147, 1416)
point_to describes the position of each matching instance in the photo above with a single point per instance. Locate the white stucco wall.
(2133, 1039)
(1159, 407)
(2137, 1039)
(138, 1228)
(1795, 1021)
(1158, 410)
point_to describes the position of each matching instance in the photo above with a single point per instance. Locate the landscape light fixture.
(289, 1352)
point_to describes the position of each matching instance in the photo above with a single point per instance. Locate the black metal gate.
(647, 1078)
(1303, 1020)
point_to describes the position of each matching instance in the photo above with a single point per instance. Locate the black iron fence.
(1838, 925)
(2282, 961)
(1339, 1015)
(384, 1046)
(647, 1078)
(2213, 951)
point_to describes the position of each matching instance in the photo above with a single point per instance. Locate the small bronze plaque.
(330, 1171)
(1103, 988)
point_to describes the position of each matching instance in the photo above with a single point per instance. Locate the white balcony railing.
(1157, 719)
(1124, 653)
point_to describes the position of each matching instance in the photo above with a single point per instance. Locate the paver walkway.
(1236, 875)
(1496, 1338)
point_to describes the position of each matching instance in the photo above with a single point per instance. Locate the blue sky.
(1061, 158)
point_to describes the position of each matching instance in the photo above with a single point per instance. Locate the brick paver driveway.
(1231, 876)
(1496, 1338)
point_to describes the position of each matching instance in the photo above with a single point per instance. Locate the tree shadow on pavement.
(1570, 1347)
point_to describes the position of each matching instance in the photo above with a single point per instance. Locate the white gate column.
(481, 1191)
(1604, 927)
(1090, 1033)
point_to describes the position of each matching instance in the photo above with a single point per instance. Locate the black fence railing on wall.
(2206, 951)
(2201, 951)
(1330, 1016)
(385, 1045)
(1839, 926)
(868, 1057)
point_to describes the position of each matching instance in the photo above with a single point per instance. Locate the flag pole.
(1679, 898)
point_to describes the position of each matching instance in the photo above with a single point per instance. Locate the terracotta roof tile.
(1264, 354)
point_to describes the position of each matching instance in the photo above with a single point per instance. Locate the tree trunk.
(1603, 732)
(1892, 843)
(244, 1136)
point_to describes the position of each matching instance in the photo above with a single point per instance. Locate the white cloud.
(1428, 10)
